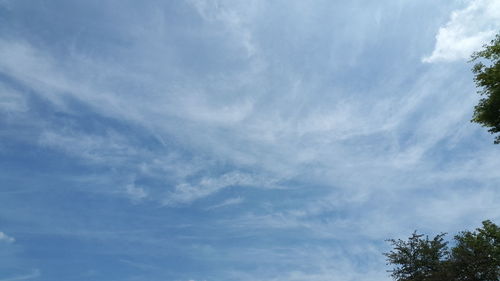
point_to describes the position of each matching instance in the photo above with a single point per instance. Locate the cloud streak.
(227, 202)
(6, 238)
(35, 274)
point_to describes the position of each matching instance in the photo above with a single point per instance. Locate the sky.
(214, 140)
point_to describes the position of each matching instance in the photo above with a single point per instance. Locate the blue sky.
(236, 140)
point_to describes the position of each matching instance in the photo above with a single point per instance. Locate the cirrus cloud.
(5, 238)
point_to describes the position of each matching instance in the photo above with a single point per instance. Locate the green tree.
(474, 256)
(419, 258)
(487, 78)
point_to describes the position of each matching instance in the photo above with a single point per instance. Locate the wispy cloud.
(139, 265)
(187, 192)
(11, 102)
(216, 10)
(227, 202)
(35, 274)
(137, 193)
(5, 238)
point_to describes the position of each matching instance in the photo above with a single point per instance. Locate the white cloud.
(110, 147)
(5, 238)
(33, 275)
(139, 265)
(187, 192)
(11, 101)
(216, 11)
(227, 202)
(135, 192)
(288, 137)
(197, 109)
(323, 263)
(466, 31)
(248, 130)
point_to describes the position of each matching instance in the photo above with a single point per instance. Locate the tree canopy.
(474, 256)
(487, 78)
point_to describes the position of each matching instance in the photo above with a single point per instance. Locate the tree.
(418, 259)
(475, 256)
(487, 78)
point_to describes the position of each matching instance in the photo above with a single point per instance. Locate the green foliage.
(475, 256)
(417, 259)
(487, 77)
